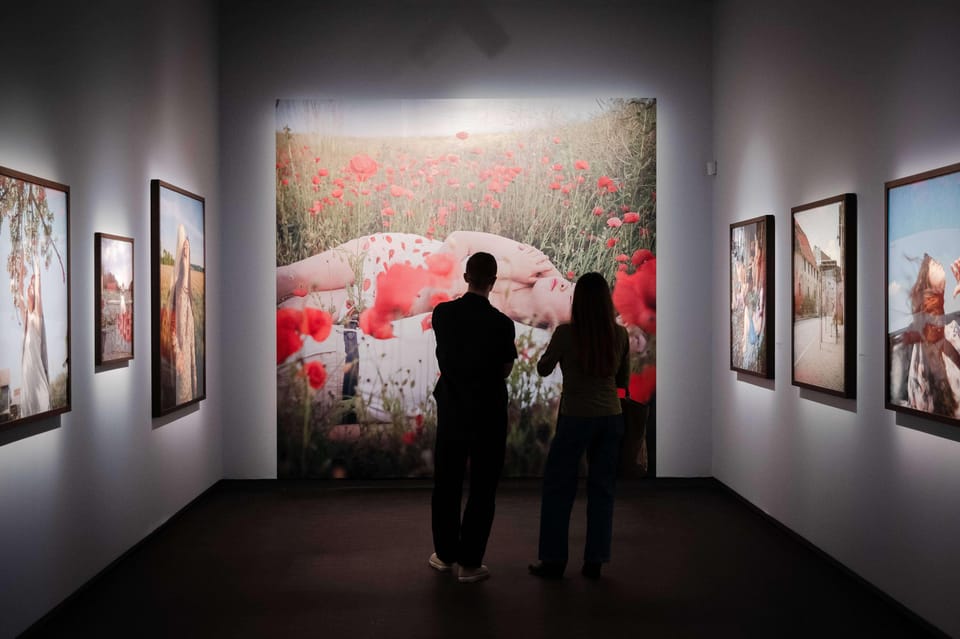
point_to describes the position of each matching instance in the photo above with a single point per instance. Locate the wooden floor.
(336, 559)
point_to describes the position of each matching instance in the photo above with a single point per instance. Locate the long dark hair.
(594, 326)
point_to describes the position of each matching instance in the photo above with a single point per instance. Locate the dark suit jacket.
(474, 341)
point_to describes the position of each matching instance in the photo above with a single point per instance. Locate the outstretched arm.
(516, 261)
(327, 271)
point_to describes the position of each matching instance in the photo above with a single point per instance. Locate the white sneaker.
(470, 575)
(437, 564)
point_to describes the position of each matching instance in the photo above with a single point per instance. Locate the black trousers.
(464, 541)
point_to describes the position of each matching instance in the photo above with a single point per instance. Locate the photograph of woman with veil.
(34, 315)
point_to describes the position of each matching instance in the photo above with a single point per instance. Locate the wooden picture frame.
(35, 372)
(114, 299)
(752, 296)
(922, 362)
(178, 297)
(824, 295)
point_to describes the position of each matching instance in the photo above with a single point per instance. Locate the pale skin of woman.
(529, 289)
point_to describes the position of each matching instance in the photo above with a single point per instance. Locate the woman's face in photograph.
(936, 277)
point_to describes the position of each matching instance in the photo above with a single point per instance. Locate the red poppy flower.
(463, 135)
(641, 256)
(611, 242)
(581, 165)
(604, 183)
(556, 140)
(389, 212)
(363, 166)
(558, 167)
(426, 323)
(285, 181)
(614, 222)
(643, 384)
(631, 217)
(635, 295)
(315, 180)
(337, 193)
(409, 438)
(288, 333)
(622, 258)
(316, 373)
(598, 211)
(570, 275)
(419, 420)
(323, 172)
(316, 323)
(555, 186)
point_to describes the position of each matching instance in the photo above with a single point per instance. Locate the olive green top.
(586, 395)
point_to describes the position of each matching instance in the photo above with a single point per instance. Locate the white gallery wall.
(104, 97)
(444, 49)
(815, 99)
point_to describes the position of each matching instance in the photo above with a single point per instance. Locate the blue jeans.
(600, 438)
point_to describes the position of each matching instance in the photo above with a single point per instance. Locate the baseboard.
(833, 561)
(38, 626)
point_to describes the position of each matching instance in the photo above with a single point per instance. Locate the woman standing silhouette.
(594, 355)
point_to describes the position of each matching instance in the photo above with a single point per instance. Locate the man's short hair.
(481, 269)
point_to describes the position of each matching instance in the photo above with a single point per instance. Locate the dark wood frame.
(49, 184)
(848, 265)
(767, 221)
(98, 298)
(889, 186)
(156, 303)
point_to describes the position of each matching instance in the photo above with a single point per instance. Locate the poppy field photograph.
(379, 203)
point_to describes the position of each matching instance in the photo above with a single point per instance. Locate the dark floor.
(321, 559)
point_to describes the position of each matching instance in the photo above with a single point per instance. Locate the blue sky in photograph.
(923, 217)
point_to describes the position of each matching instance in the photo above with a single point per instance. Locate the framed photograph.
(35, 308)
(113, 260)
(178, 296)
(923, 294)
(751, 297)
(824, 298)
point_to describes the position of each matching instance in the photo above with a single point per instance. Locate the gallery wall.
(813, 100)
(431, 49)
(104, 97)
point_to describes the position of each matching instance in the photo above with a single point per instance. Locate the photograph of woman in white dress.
(34, 313)
(182, 289)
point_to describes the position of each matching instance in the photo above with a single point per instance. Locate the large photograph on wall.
(379, 204)
(178, 291)
(751, 297)
(824, 298)
(35, 308)
(923, 294)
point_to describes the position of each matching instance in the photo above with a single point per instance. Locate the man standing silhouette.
(475, 352)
